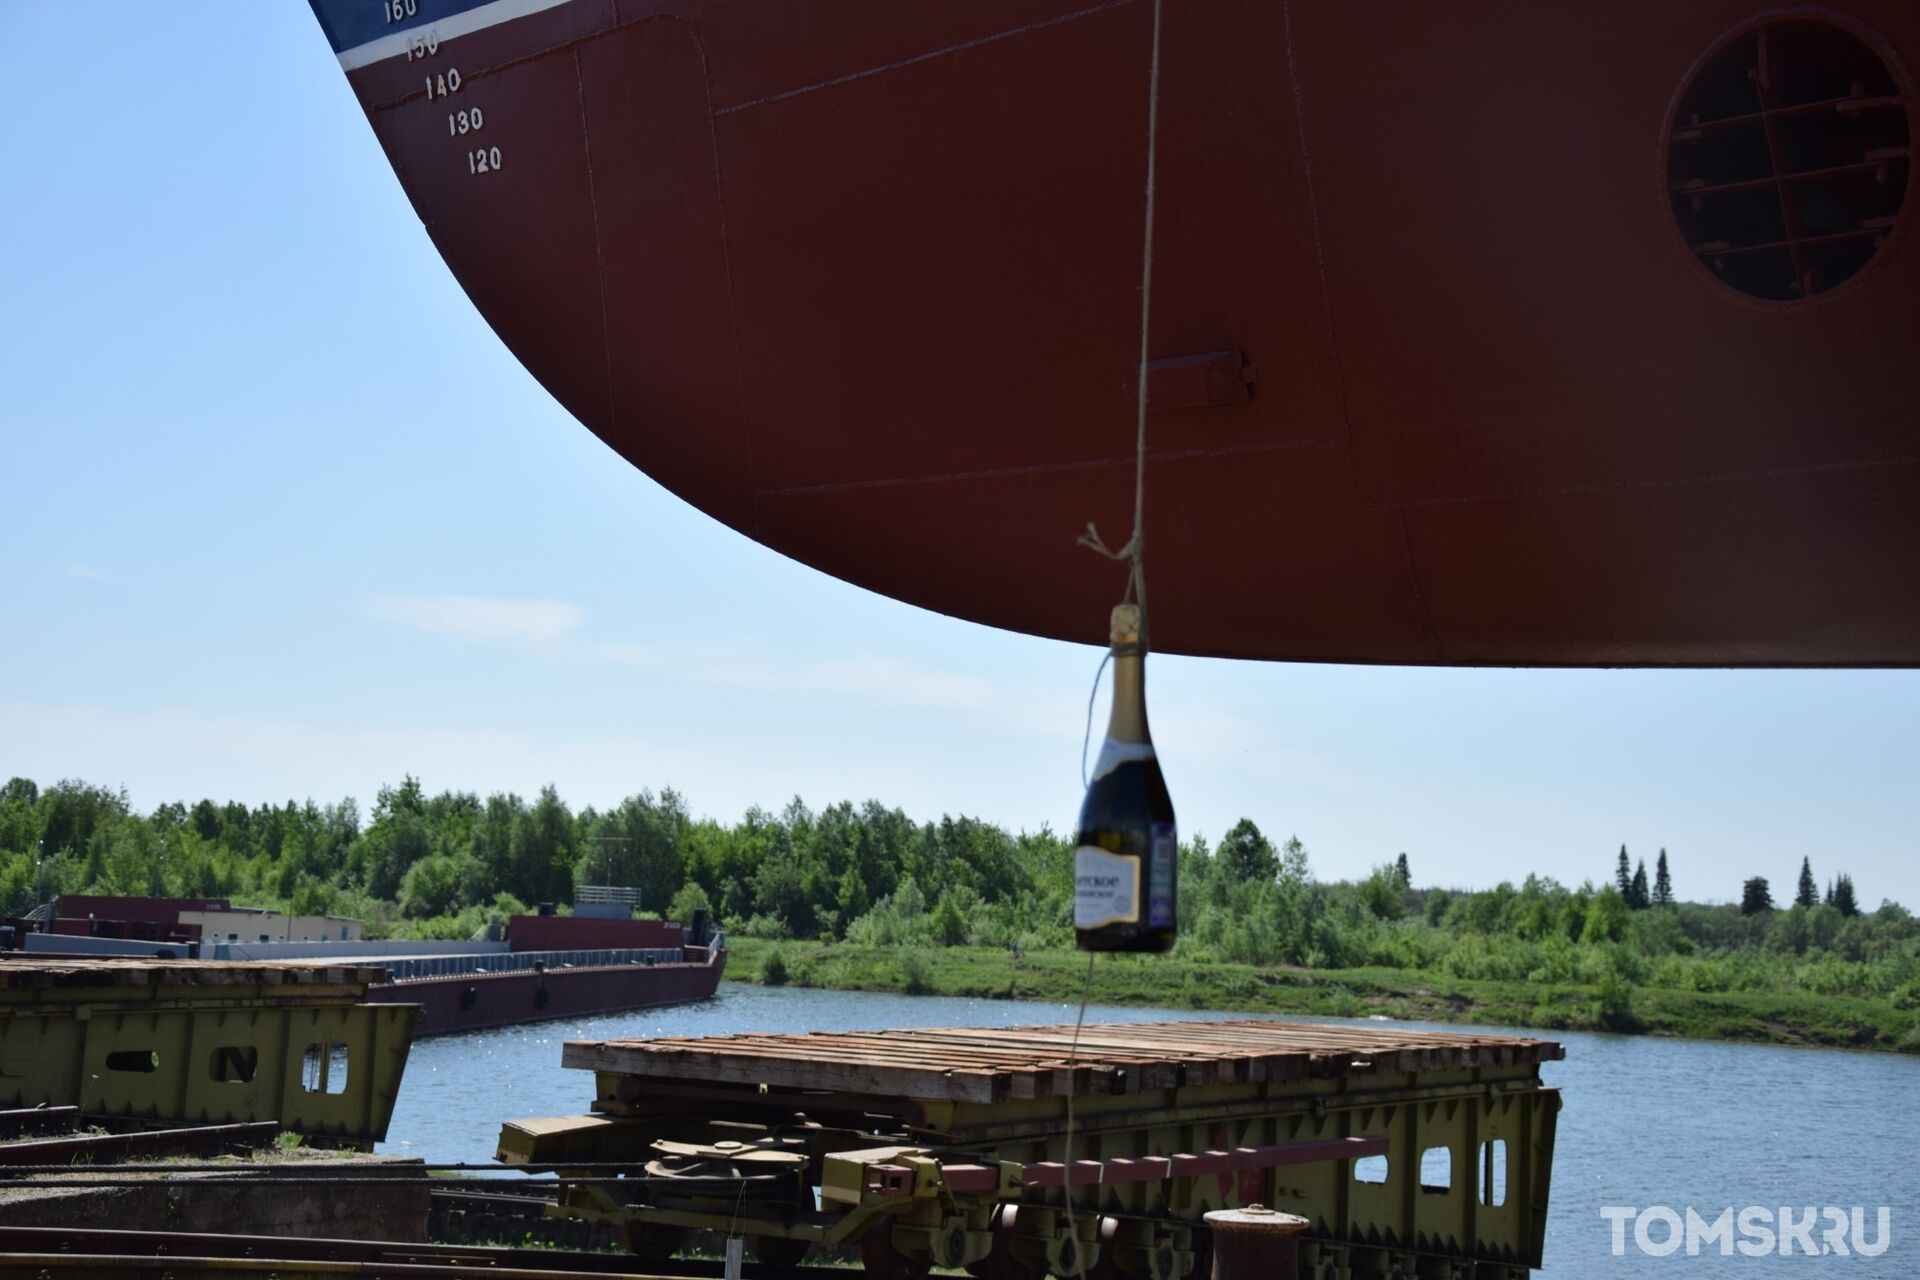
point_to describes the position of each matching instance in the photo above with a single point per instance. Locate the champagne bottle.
(1125, 868)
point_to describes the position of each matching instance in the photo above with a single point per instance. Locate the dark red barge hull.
(473, 1002)
(1495, 333)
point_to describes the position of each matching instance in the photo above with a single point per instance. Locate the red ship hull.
(1453, 368)
(472, 1002)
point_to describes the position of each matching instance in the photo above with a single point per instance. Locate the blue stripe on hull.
(351, 23)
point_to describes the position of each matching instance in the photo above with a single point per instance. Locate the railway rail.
(82, 1254)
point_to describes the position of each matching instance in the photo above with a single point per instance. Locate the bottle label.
(1114, 754)
(1166, 853)
(1106, 888)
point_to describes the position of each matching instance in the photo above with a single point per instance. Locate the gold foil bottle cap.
(1126, 624)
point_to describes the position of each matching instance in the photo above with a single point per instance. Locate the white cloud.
(89, 573)
(487, 619)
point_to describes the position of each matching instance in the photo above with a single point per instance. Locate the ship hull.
(1444, 373)
(477, 1001)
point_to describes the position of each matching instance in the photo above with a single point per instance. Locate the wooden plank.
(988, 1063)
(830, 1077)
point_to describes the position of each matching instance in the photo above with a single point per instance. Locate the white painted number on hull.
(469, 121)
(486, 160)
(441, 85)
(399, 10)
(423, 46)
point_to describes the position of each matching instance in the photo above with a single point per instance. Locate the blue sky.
(282, 518)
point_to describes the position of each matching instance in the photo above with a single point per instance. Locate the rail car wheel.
(1001, 1263)
(777, 1251)
(653, 1246)
(1136, 1250)
(882, 1261)
(1202, 1268)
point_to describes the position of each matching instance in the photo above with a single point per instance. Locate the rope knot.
(1129, 550)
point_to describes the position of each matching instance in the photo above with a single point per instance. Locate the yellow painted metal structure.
(190, 1042)
(1411, 1153)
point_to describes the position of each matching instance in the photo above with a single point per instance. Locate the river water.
(1645, 1123)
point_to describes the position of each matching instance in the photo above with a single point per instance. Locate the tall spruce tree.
(1809, 892)
(1638, 898)
(1756, 896)
(1400, 872)
(1843, 899)
(1623, 875)
(1662, 882)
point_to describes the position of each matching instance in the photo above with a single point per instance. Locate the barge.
(528, 968)
(1030, 1151)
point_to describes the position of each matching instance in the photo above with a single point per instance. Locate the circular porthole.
(1789, 157)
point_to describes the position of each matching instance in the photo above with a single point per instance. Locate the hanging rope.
(1133, 552)
(1134, 549)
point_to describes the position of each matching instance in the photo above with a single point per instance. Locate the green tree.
(949, 925)
(206, 820)
(1662, 882)
(435, 885)
(1606, 919)
(1623, 875)
(543, 851)
(1843, 899)
(1808, 894)
(639, 844)
(690, 899)
(1247, 855)
(1380, 891)
(1294, 871)
(397, 838)
(1756, 896)
(72, 811)
(1638, 897)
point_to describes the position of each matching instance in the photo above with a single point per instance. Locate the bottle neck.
(1128, 723)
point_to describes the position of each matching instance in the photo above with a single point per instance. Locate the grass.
(1182, 982)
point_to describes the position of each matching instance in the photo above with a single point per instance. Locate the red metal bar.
(970, 1177)
(1050, 1173)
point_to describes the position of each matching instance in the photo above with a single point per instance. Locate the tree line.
(443, 864)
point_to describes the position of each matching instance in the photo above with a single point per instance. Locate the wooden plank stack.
(988, 1064)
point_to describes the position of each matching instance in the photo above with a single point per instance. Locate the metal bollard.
(1255, 1243)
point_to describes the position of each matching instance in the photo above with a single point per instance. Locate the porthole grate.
(1789, 158)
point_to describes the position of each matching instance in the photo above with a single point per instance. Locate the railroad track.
(82, 1254)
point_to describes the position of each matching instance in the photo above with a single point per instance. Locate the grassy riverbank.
(1181, 982)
